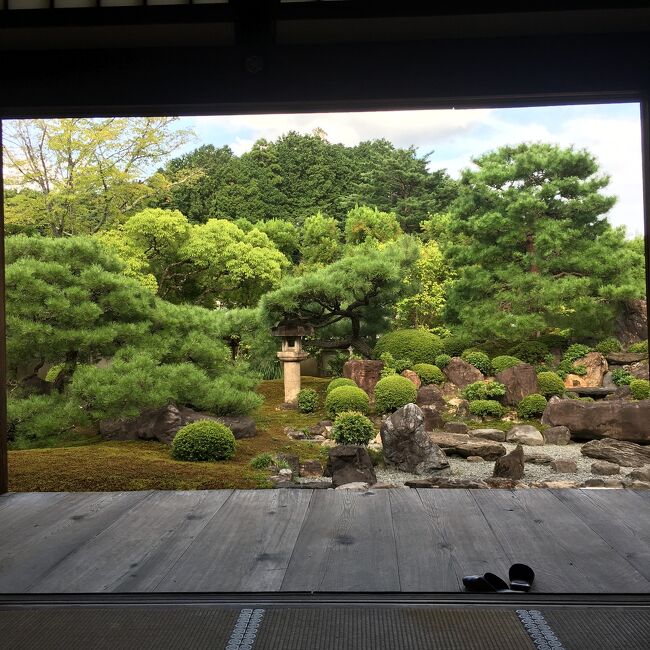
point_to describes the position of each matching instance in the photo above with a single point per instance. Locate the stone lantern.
(291, 355)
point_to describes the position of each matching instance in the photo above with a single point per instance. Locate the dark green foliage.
(486, 407)
(504, 362)
(338, 382)
(428, 373)
(346, 398)
(204, 440)
(567, 367)
(479, 360)
(608, 345)
(530, 351)
(550, 383)
(352, 428)
(376, 456)
(394, 392)
(639, 347)
(531, 406)
(419, 346)
(454, 345)
(640, 388)
(481, 390)
(261, 461)
(307, 400)
(393, 366)
(621, 377)
(442, 360)
(576, 351)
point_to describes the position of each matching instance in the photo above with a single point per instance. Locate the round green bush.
(307, 400)
(483, 390)
(608, 345)
(420, 346)
(428, 373)
(394, 392)
(638, 347)
(338, 382)
(550, 383)
(479, 360)
(640, 388)
(485, 407)
(203, 440)
(347, 398)
(442, 360)
(532, 406)
(621, 377)
(576, 351)
(352, 428)
(530, 351)
(504, 362)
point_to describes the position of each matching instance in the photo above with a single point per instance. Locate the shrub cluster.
(640, 388)
(442, 360)
(567, 367)
(418, 345)
(338, 382)
(429, 374)
(307, 400)
(608, 345)
(638, 347)
(530, 351)
(393, 366)
(204, 440)
(531, 406)
(504, 362)
(481, 390)
(352, 428)
(621, 377)
(347, 398)
(478, 359)
(486, 407)
(394, 392)
(550, 383)
(576, 351)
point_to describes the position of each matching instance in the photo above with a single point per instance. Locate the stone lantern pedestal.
(291, 355)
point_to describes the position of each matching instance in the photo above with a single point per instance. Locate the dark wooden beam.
(645, 162)
(4, 460)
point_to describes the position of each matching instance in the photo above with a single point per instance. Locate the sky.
(612, 132)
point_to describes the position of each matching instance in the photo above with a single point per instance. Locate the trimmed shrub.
(347, 398)
(576, 351)
(483, 390)
(394, 392)
(532, 406)
(203, 440)
(504, 362)
(352, 428)
(454, 345)
(608, 345)
(550, 383)
(262, 461)
(307, 400)
(442, 360)
(486, 407)
(338, 382)
(638, 347)
(621, 377)
(428, 373)
(640, 388)
(479, 360)
(530, 351)
(418, 345)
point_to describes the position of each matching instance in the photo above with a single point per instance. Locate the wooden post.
(4, 465)
(645, 165)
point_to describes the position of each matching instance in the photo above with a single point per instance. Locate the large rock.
(489, 434)
(628, 454)
(632, 323)
(350, 464)
(638, 370)
(461, 373)
(520, 380)
(432, 418)
(525, 434)
(365, 372)
(557, 436)
(605, 468)
(413, 377)
(511, 465)
(625, 358)
(604, 419)
(431, 396)
(447, 439)
(163, 424)
(456, 427)
(407, 446)
(596, 366)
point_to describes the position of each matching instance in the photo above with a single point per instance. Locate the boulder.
(486, 450)
(312, 468)
(431, 396)
(520, 380)
(608, 380)
(604, 419)
(413, 377)
(447, 440)
(638, 485)
(164, 423)
(292, 460)
(557, 435)
(537, 458)
(432, 418)
(407, 445)
(596, 366)
(462, 409)
(489, 434)
(595, 392)
(474, 459)
(621, 392)
(321, 428)
(350, 464)
(625, 358)
(525, 434)
(605, 468)
(627, 454)
(365, 372)
(456, 427)
(511, 465)
(642, 474)
(462, 373)
(638, 370)
(632, 322)
(564, 466)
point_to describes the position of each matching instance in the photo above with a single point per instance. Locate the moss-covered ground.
(87, 463)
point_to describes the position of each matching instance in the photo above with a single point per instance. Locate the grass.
(88, 463)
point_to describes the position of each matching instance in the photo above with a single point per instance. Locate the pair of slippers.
(521, 579)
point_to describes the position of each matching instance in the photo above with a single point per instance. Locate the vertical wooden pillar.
(4, 468)
(645, 166)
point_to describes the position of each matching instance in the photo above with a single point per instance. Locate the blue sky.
(612, 132)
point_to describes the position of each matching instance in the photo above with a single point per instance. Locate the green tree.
(364, 224)
(321, 241)
(534, 251)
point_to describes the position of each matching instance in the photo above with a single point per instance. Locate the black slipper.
(488, 582)
(521, 577)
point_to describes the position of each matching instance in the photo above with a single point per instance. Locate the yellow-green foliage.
(346, 398)
(204, 440)
(394, 392)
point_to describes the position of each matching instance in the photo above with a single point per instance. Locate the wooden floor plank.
(629, 506)
(246, 546)
(625, 529)
(136, 545)
(537, 529)
(30, 550)
(346, 544)
(23, 509)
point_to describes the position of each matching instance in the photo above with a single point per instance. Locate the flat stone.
(605, 468)
(486, 450)
(357, 486)
(502, 483)
(446, 440)
(593, 483)
(627, 454)
(642, 474)
(625, 358)
(511, 465)
(474, 459)
(614, 483)
(525, 434)
(639, 485)
(311, 468)
(557, 435)
(448, 483)
(564, 466)
(597, 392)
(537, 458)
(456, 427)
(489, 434)
(294, 434)
(556, 485)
